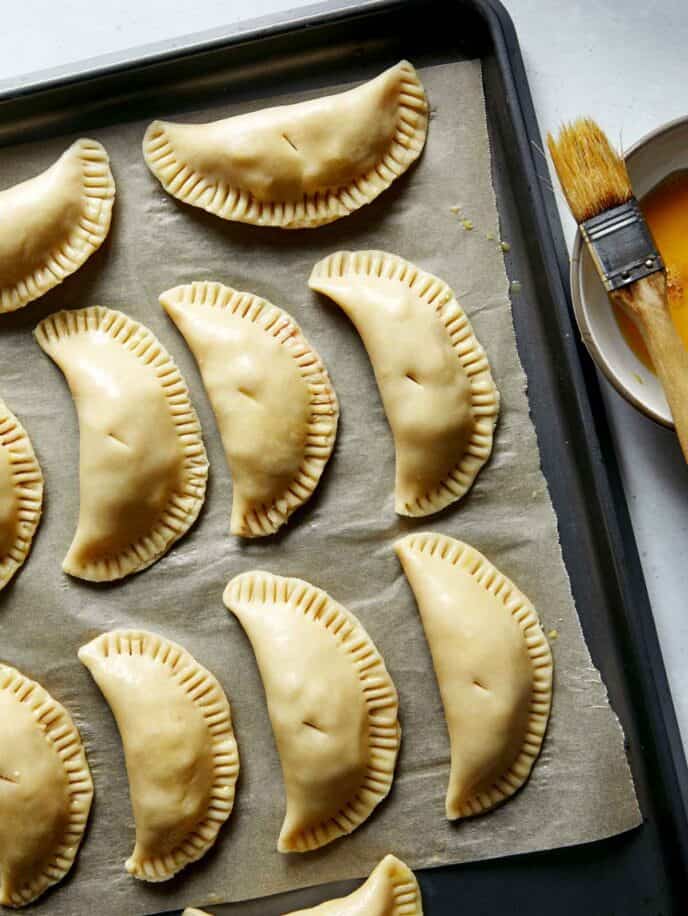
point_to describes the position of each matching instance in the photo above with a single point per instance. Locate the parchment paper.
(580, 789)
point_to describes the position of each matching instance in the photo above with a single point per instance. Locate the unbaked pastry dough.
(296, 166)
(433, 375)
(54, 222)
(176, 728)
(493, 666)
(273, 399)
(332, 705)
(391, 890)
(143, 466)
(45, 789)
(21, 494)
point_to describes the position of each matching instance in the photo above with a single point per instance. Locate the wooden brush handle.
(646, 303)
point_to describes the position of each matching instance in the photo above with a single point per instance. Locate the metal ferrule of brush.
(621, 245)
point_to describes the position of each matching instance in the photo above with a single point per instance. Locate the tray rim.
(670, 753)
(668, 748)
(166, 50)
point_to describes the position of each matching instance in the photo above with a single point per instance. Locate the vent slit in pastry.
(272, 397)
(21, 494)
(52, 224)
(143, 466)
(493, 666)
(390, 890)
(45, 789)
(433, 375)
(296, 166)
(183, 771)
(319, 667)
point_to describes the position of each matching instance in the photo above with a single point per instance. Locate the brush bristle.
(592, 174)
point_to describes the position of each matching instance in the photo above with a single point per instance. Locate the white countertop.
(622, 61)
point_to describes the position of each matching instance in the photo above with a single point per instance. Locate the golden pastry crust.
(433, 375)
(296, 166)
(192, 911)
(183, 772)
(45, 789)
(493, 664)
(52, 224)
(143, 466)
(390, 890)
(332, 705)
(273, 399)
(21, 494)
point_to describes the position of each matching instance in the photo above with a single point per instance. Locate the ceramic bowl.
(649, 161)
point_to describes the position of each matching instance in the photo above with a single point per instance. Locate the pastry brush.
(596, 185)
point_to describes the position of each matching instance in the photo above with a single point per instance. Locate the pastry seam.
(537, 647)
(484, 394)
(61, 734)
(407, 899)
(184, 504)
(208, 696)
(379, 693)
(27, 480)
(314, 209)
(98, 194)
(324, 408)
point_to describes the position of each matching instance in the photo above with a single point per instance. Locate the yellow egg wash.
(666, 211)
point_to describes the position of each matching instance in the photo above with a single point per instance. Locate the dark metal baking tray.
(644, 871)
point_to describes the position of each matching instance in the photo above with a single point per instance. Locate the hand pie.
(296, 166)
(391, 890)
(493, 666)
(433, 375)
(45, 789)
(143, 467)
(332, 705)
(176, 729)
(52, 224)
(272, 396)
(21, 494)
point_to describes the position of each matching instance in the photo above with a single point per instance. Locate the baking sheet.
(580, 789)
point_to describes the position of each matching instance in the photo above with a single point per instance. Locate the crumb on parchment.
(469, 225)
(515, 286)
(639, 379)
(553, 634)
